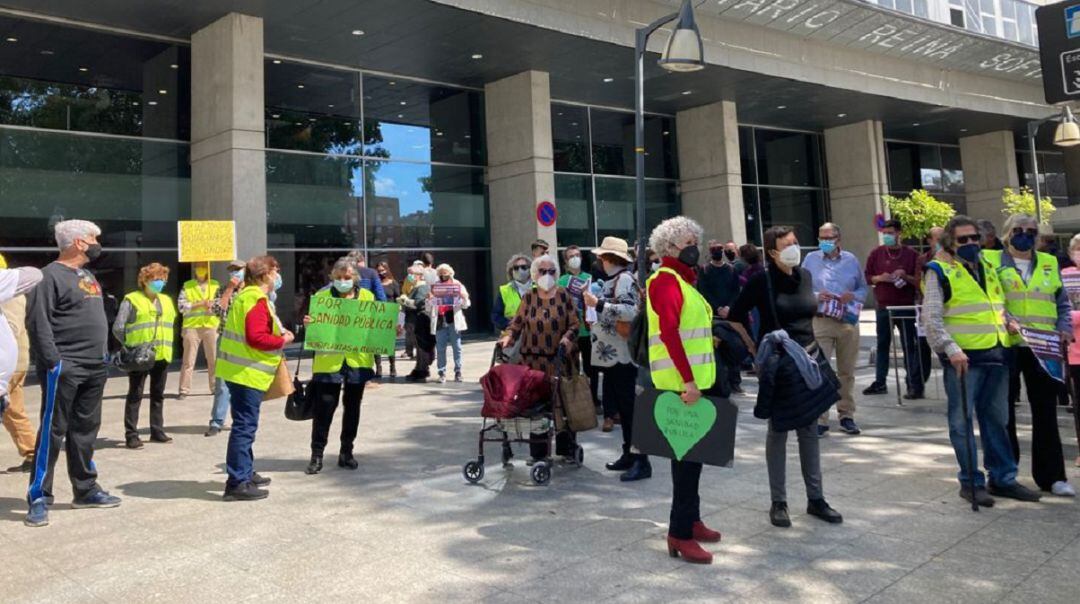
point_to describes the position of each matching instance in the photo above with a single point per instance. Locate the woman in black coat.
(792, 308)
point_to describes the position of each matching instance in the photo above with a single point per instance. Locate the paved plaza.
(406, 527)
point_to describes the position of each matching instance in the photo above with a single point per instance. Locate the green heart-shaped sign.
(683, 425)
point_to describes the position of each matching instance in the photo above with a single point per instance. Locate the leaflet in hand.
(576, 287)
(835, 309)
(447, 294)
(1045, 344)
(1071, 281)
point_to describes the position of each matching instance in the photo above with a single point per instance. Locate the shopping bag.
(577, 404)
(282, 385)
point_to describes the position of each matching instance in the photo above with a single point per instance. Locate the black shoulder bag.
(299, 407)
(134, 359)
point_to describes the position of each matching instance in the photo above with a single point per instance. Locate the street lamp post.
(684, 53)
(1067, 134)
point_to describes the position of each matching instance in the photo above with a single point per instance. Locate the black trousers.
(1047, 458)
(136, 386)
(619, 381)
(76, 418)
(425, 346)
(1074, 375)
(326, 402)
(685, 502)
(585, 346)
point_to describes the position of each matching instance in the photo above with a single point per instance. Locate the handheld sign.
(351, 326)
(206, 240)
(446, 293)
(667, 427)
(1070, 279)
(1046, 346)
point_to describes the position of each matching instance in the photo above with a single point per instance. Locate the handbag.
(281, 386)
(299, 406)
(576, 410)
(141, 357)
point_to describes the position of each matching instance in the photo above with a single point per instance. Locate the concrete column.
(520, 165)
(989, 162)
(855, 160)
(228, 163)
(708, 146)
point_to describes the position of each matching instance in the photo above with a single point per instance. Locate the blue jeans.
(239, 459)
(447, 334)
(221, 404)
(987, 390)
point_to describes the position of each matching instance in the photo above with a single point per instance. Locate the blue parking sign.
(1072, 21)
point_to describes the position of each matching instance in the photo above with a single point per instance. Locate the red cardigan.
(259, 329)
(666, 299)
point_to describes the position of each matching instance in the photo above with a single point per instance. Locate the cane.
(969, 436)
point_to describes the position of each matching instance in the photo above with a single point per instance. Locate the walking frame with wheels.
(526, 429)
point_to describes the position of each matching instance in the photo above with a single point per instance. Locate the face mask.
(827, 246)
(612, 270)
(411, 278)
(238, 275)
(790, 256)
(382, 275)
(444, 278)
(716, 255)
(690, 255)
(889, 240)
(93, 251)
(574, 263)
(1022, 242)
(937, 247)
(200, 274)
(277, 282)
(655, 266)
(546, 282)
(969, 252)
(157, 285)
(343, 285)
(730, 255)
(521, 275)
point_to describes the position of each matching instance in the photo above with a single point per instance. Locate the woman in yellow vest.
(334, 371)
(200, 327)
(681, 360)
(508, 299)
(147, 316)
(1034, 298)
(252, 344)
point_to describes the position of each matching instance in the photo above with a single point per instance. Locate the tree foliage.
(919, 212)
(1022, 201)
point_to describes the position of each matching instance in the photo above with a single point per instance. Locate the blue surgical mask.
(343, 285)
(277, 282)
(157, 285)
(1022, 242)
(827, 246)
(889, 240)
(238, 275)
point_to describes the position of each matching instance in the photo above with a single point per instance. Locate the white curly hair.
(534, 270)
(70, 230)
(669, 234)
(445, 268)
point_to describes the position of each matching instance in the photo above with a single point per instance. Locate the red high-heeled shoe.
(705, 534)
(689, 550)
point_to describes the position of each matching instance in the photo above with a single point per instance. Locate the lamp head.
(1067, 133)
(685, 51)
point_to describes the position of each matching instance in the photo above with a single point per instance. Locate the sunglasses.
(547, 271)
(521, 267)
(1020, 231)
(962, 239)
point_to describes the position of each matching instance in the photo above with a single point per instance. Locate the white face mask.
(546, 282)
(574, 263)
(791, 256)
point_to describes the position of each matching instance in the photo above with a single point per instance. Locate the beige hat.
(236, 265)
(615, 247)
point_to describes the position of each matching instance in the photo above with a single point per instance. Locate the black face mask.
(730, 254)
(969, 252)
(690, 255)
(444, 278)
(93, 251)
(717, 255)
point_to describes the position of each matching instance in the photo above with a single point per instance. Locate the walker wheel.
(541, 473)
(473, 471)
(579, 455)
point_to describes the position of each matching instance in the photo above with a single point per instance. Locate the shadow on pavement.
(205, 490)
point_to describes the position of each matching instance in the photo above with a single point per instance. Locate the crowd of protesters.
(794, 319)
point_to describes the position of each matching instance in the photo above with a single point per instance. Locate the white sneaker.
(442, 378)
(1063, 489)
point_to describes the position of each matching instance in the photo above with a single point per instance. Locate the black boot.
(818, 507)
(623, 463)
(778, 514)
(315, 465)
(346, 460)
(640, 470)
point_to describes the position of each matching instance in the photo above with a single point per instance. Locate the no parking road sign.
(546, 213)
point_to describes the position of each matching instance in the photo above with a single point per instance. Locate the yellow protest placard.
(206, 240)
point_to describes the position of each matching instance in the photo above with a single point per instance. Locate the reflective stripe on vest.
(511, 299)
(973, 316)
(198, 318)
(236, 361)
(149, 327)
(1034, 303)
(330, 362)
(695, 331)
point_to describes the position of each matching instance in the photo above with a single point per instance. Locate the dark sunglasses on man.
(963, 239)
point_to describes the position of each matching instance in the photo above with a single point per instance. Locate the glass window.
(746, 155)
(952, 171)
(423, 206)
(802, 209)
(422, 122)
(904, 6)
(68, 78)
(570, 137)
(573, 197)
(788, 158)
(615, 201)
(312, 109)
(903, 166)
(135, 190)
(613, 144)
(922, 8)
(753, 215)
(314, 201)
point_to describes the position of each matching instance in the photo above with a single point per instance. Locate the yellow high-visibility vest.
(1034, 303)
(973, 316)
(236, 361)
(200, 317)
(150, 325)
(695, 329)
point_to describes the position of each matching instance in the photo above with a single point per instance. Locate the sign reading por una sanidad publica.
(351, 326)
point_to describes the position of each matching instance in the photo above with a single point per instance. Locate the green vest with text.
(511, 299)
(973, 316)
(695, 329)
(151, 327)
(196, 318)
(236, 361)
(1034, 303)
(330, 362)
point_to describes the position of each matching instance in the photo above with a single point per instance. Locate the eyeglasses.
(962, 239)
(521, 267)
(547, 271)
(1021, 230)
